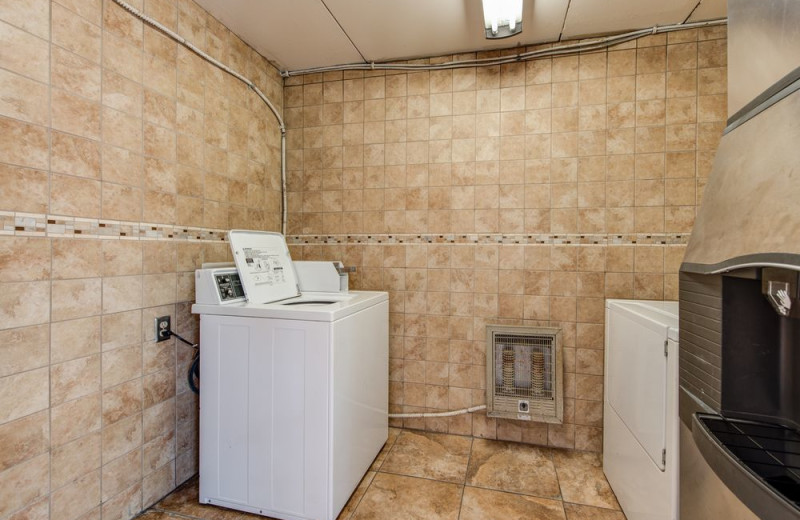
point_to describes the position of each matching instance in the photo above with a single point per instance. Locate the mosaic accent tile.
(31, 224)
(499, 238)
(6, 222)
(57, 226)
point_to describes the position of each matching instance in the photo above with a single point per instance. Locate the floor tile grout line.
(376, 470)
(178, 514)
(461, 502)
(604, 508)
(428, 435)
(500, 490)
(466, 476)
(550, 456)
(517, 493)
(600, 467)
(421, 477)
(358, 502)
(469, 459)
(391, 447)
(171, 513)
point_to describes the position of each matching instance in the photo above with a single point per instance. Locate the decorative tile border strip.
(495, 238)
(41, 225)
(56, 226)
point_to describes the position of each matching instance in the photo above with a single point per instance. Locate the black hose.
(194, 374)
(194, 369)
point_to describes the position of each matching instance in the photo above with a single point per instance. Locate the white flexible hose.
(178, 38)
(437, 414)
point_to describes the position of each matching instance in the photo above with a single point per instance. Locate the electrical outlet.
(163, 328)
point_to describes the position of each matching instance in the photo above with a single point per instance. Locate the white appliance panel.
(359, 416)
(261, 425)
(232, 449)
(293, 411)
(289, 353)
(637, 371)
(643, 490)
(640, 436)
(263, 400)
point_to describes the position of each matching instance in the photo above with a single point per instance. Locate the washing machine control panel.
(218, 285)
(229, 286)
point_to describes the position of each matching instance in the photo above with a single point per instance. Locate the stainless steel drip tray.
(759, 462)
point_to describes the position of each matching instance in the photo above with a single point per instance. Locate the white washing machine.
(293, 386)
(640, 412)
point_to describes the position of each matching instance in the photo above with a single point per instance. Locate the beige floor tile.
(430, 455)
(396, 497)
(503, 480)
(509, 466)
(578, 512)
(485, 504)
(582, 480)
(355, 498)
(378, 462)
(184, 501)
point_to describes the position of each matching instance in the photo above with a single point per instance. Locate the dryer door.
(637, 377)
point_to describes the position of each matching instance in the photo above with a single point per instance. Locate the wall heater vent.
(524, 373)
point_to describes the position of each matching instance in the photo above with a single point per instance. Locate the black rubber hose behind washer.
(194, 374)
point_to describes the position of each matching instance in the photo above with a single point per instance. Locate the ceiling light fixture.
(502, 18)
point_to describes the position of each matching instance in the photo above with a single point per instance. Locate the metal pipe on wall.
(178, 38)
(587, 45)
(560, 50)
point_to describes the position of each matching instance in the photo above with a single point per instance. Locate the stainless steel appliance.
(739, 396)
(739, 360)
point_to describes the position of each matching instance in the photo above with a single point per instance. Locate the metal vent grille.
(523, 373)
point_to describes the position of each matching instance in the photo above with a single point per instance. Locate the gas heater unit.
(524, 377)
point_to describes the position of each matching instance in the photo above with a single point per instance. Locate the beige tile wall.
(104, 118)
(615, 145)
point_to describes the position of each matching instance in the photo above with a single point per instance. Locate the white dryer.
(293, 387)
(640, 413)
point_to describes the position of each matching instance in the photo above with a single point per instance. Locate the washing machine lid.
(327, 307)
(264, 264)
(654, 314)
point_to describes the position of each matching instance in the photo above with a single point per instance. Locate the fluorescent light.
(502, 18)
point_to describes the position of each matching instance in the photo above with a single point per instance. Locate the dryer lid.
(264, 264)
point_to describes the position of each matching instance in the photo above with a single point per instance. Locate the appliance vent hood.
(750, 214)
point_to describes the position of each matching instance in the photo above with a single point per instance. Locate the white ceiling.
(300, 34)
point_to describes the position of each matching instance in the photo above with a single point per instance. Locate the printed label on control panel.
(265, 265)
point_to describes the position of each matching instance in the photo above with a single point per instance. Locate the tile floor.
(433, 476)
